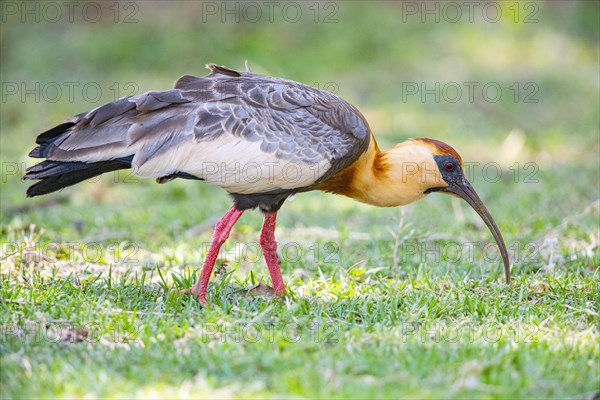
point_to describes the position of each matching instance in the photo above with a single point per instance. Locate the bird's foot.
(198, 295)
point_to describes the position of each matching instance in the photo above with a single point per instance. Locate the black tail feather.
(51, 134)
(56, 175)
(45, 139)
(48, 169)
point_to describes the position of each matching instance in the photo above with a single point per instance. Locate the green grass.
(379, 304)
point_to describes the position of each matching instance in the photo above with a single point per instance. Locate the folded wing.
(245, 132)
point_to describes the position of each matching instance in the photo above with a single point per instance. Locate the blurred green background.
(382, 56)
(513, 86)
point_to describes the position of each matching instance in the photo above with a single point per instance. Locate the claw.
(197, 295)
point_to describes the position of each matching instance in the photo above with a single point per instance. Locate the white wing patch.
(235, 164)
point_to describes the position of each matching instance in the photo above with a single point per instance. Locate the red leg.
(269, 247)
(220, 235)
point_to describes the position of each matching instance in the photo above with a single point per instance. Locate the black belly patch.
(266, 202)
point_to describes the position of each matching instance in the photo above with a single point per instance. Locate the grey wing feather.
(298, 122)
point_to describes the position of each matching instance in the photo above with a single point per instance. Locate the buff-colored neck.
(394, 177)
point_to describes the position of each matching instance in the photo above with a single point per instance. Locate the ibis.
(262, 139)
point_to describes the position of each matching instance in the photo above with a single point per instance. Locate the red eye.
(449, 166)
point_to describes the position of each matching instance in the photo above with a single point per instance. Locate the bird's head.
(425, 166)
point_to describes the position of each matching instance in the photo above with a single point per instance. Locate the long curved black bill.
(466, 191)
